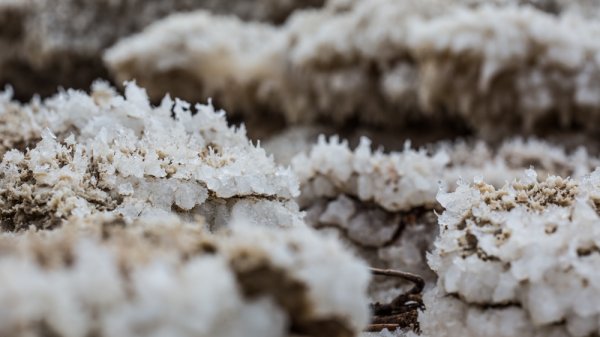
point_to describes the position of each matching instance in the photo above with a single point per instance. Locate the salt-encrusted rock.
(398, 181)
(161, 277)
(119, 154)
(384, 204)
(496, 69)
(510, 68)
(264, 68)
(443, 162)
(51, 43)
(497, 165)
(525, 253)
(238, 64)
(381, 204)
(447, 316)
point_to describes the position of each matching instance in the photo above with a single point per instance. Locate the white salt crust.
(525, 253)
(498, 67)
(51, 43)
(383, 205)
(118, 154)
(396, 182)
(113, 177)
(449, 317)
(162, 277)
(404, 180)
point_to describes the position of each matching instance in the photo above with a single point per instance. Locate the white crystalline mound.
(50, 43)
(111, 153)
(398, 181)
(202, 56)
(524, 62)
(468, 61)
(381, 204)
(289, 69)
(449, 317)
(161, 277)
(497, 166)
(384, 204)
(113, 177)
(528, 249)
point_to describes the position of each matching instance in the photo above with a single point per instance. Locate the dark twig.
(402, 311)
(379, 327)
(415, 279)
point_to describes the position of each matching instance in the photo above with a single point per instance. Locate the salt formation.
(162, 277)
(47, 43)
(202, 55)
(182, 226)
(295, 69)
(382, 204)
(506, 162)
(520, 260)
(177, 223)
(460, 61)
(385, 205)
(117, 154)
(369, 176)
(522, 61)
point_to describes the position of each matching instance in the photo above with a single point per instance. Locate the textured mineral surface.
(384, 63)
(517, 260)
(163, 277)
(51, 43)
(118, 154)
(299, 168)
(122, 218)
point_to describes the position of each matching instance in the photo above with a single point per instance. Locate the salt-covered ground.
(239, 167)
